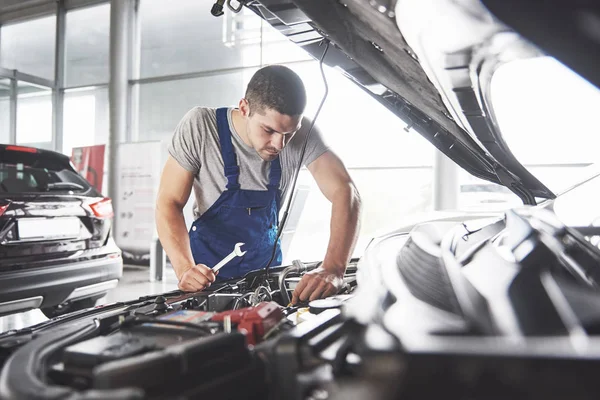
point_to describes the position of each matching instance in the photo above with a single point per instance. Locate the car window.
(33, 174)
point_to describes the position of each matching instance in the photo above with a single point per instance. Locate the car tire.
(62, 309)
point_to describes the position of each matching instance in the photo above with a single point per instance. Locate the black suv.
(56, 252)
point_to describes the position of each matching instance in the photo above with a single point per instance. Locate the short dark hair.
(276, 87)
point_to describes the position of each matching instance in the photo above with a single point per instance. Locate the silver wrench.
(237, 252)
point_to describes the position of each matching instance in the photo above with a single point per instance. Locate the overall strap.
(275, 174)
(232, 170)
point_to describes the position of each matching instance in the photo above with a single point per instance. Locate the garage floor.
(135, 283)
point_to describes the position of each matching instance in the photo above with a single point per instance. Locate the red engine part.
(254, 322)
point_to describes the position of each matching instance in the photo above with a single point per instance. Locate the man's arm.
(337, 186)
(173, 193)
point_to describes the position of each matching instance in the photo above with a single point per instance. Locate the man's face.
(269, 131)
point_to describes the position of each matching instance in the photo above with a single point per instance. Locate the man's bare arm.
(337, 186)
(173, 193)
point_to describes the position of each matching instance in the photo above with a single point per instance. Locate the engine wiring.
(242, 299)
(147, 320)
(262, 293)
(290, 195)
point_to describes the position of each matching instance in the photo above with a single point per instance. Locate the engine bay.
(147, 348)
(502, 307)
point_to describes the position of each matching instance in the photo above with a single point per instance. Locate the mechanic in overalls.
(240, 163)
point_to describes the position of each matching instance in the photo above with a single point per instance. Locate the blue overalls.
(247, 216)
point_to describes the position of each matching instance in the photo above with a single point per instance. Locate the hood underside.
(430, 62)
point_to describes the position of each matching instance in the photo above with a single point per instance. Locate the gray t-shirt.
(195, 146)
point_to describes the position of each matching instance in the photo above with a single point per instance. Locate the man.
(240, 163)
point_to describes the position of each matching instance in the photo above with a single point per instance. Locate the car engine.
(173, 345)
(502, 307)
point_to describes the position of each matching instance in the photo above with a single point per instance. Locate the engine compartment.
(503, 307)
(177, 344)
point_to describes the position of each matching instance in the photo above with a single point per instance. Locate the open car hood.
(431, 62)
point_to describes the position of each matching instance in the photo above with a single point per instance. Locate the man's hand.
(337, 186)
(317, 284)
(197, 278)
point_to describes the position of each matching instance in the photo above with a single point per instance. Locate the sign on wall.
(140, 166)
(89, 162)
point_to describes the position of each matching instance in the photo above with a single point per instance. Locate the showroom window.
(540, 104)
(5, 110)
(277, 49)
(363, 132)
(29, 46)
(561, 117)
(188, 39)
(34, 116)
(479, 195)
(86, 108)
(182, 36)
(391, 168)
(87, 46)
(163, 104)
(86, 119)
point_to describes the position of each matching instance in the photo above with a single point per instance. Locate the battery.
(254, 322)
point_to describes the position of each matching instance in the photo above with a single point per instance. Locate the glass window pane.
(277, 49)
(478, 195)
(87, 45)
(4, 110)
(86, 120)
(542, 104)
(363, 133)
(163, 104)
(182, 36)
(380, 156)
(383, 209)
(29, 46)
(34, 116)
(580, 206)
(373, 137)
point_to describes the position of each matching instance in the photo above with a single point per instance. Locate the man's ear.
(244, 108)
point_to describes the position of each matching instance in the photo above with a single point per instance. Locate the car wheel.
(66, 308)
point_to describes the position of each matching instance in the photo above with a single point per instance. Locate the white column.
(58, 93)
(445, 183)
(13, 111)
(120, 12)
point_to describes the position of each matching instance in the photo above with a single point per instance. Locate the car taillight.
(22, 149)
(103, 208)
(3, 208)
